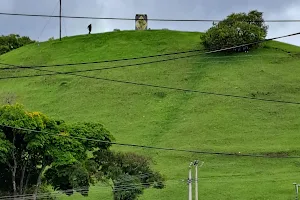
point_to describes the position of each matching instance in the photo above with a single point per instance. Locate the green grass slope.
(166, 118)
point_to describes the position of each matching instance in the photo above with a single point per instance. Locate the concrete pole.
(190, 182)
(297, 190)
(196, 181)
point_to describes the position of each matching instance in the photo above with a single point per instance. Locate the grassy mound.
(168, 118)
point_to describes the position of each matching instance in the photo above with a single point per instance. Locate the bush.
(13, 41)
(236, 29)
(130, 173)
(160, 94)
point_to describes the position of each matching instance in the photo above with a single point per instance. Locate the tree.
(236, 29)
(130, 173)
(81, 173)
(13, 41)
(37, 151)
(25, 155)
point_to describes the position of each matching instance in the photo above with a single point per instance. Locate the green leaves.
(5, 148)
(128, 170)
(13, 41)
(93, 131)
(62, 154)
(69, 176)
(131, 190)
(236, 29)
(52, 145)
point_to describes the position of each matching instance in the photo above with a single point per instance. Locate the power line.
(15, 66)
(158, 86)
(106, 68)
(133, 19)
(155, 86)
(95, 62)
(84, 190)
(142, 57)
(57, 193)
(155, 148)
(189, 90)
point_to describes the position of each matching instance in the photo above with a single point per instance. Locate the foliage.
(56, 154)
(130, 173)
(127, 187)
(236, 29)
(69, 176)
(46, 193)
(26, 155)
(13, 41)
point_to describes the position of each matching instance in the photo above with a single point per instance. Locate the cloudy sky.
(44, 28)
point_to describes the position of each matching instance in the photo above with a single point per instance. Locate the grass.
(166, 118)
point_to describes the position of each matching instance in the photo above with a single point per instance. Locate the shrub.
(236, 29)
(13, 41)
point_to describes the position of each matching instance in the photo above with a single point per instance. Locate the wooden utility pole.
(59, 19)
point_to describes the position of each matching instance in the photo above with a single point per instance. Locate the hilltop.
(167, 118)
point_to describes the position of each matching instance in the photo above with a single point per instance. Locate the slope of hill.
(168, 118)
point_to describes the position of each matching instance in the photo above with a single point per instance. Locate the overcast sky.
(171, 9)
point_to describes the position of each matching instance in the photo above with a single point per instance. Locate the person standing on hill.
(90, 28)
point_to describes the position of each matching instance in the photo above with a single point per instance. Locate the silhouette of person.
(90, 28)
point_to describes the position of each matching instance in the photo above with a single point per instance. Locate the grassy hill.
(166, 118)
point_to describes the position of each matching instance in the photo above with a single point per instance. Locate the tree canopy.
(236, 29)
(127, 169)
(36, 150)
(13, 41)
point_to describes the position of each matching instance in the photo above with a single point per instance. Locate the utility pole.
(60, 20)
(297, 190)
(190, 181)
(196, 179)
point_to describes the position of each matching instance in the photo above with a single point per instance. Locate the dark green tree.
(26, 155)
(236, 29)
(37, 151)
(127, 187)
(13, 41)
(130, 173)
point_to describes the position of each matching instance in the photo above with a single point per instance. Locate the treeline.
(13, 41)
